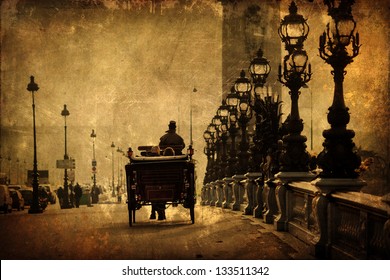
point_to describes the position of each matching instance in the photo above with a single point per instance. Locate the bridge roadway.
(103, 232)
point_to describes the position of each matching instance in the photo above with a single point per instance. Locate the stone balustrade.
(336, 225)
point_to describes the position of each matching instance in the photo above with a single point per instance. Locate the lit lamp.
(293, 29)
(338, 45)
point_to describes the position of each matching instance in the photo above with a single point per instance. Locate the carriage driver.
(171, 138)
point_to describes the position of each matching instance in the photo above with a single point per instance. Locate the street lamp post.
(66, 203)
(112, 157)
(259, 69)
(296, 73)
(119, 150)
(208, 150)
(265, 108)
(232, 103)
(242, 87)
(338, 46)
(35, 207)
(231, 170)
(93, 136)
(222, 114)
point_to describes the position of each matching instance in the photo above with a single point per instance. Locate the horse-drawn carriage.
(159, 179)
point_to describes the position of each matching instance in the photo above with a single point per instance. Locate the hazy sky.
(127, 74)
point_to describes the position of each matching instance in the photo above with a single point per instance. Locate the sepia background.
(126, 68)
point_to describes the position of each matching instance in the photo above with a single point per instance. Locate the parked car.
(27, 196)
(50, 192)
(17, 200)
(5, 199)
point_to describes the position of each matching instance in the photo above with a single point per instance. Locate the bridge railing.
(339, 225)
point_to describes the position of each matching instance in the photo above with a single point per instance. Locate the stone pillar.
(320, 207)
(251, 191)
(228, 191)
(220, 194)
(207, 194)
(281, 221)
(270, 200)
(213, 193)
(259, 209)
(238, 192)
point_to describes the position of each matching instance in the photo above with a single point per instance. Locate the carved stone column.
(281, 221)
(219, 190)
(207, 194)
(251, 189)
(237, 192)
(270, 200)
(228, 191)
(259, 209)
(321, 243)
(213, 193)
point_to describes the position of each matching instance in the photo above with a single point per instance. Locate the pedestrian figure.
(77, 193)
(71, 195)
(60, 195)
(95, 194)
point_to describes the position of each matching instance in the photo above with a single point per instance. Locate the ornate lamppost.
(243, 88)
(215, 156)
(66, 204)
(295, 74)
(208, 150)
(35, 207)
(259, 69)
(119, 190)
(222, 114)
(112, 160)
(94, 163)
(338, 46)
(232, 104)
